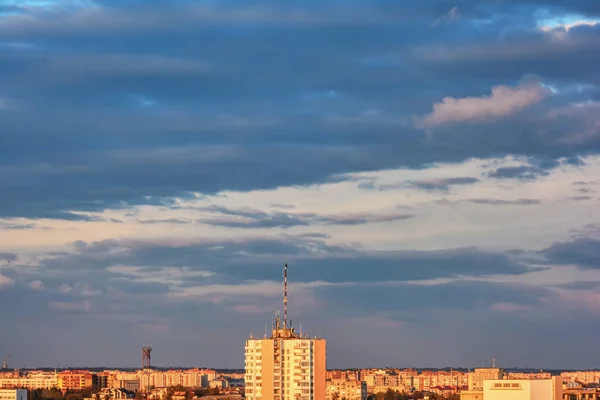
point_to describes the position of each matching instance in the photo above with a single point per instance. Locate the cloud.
(583, 116)
(441, 183)
(153, 110)
(502, 102)
(250, 218)
(5, 281)
(310, 258)
(83, 306)
(463, 295)
(8, 257)
(37, 285)
(502, 202)
(165, 221)
(524, 172)
(583, 252)
(15, 226)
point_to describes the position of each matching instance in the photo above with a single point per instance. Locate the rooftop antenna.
(301, 329)
(265, 330)
(285, 300)
(493, 363)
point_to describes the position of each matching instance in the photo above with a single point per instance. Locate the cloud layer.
(428, 170)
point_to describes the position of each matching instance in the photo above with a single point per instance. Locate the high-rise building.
(287, 365)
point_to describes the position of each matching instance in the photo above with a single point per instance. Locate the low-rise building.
(340, 389)
(479, 375)
(13, 394)
(31, 380)
(76, 380)
(581, 393)
(471, 395)
(523, 389)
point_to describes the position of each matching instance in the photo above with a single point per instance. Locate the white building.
(534, 389)
(33, 380)
(13, 394)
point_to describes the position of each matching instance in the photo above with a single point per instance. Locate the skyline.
(429, 170)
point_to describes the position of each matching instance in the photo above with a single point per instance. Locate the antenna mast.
(285, 300)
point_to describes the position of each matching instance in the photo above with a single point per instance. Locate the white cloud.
(502, 102)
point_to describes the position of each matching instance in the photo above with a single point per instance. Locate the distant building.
(192, 378)
(476, 378)
(471, 395)
(76, 380)
(523, 389)
(581, 393)
(13, 394)
(115, 394)
(219, 383)
(347, 389)
(132, 385)
(32, 380)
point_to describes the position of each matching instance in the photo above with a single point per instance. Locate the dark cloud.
(583, 252)
(310, 257)
(8, 257)
(505, 202)
(435, 184)
(164, 221)
(16, 226)
(580, 285)
(214, 116)
(494, 202)
(251, 218)
(522, 173)
(581, 198)
(463, 295)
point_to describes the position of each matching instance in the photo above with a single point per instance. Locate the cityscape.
(291, 365)
(299, 199)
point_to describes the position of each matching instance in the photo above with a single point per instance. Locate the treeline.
(56, 394)
(192, 393)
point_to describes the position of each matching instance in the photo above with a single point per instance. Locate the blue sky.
(429, 170)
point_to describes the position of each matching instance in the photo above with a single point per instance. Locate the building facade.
(13, 394)
(33, 380)
(285, 366)
(76, 380)
(534, 389)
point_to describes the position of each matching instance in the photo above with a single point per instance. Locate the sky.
(430, 171)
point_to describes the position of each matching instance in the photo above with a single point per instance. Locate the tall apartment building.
(523, 389)
(286, 365)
